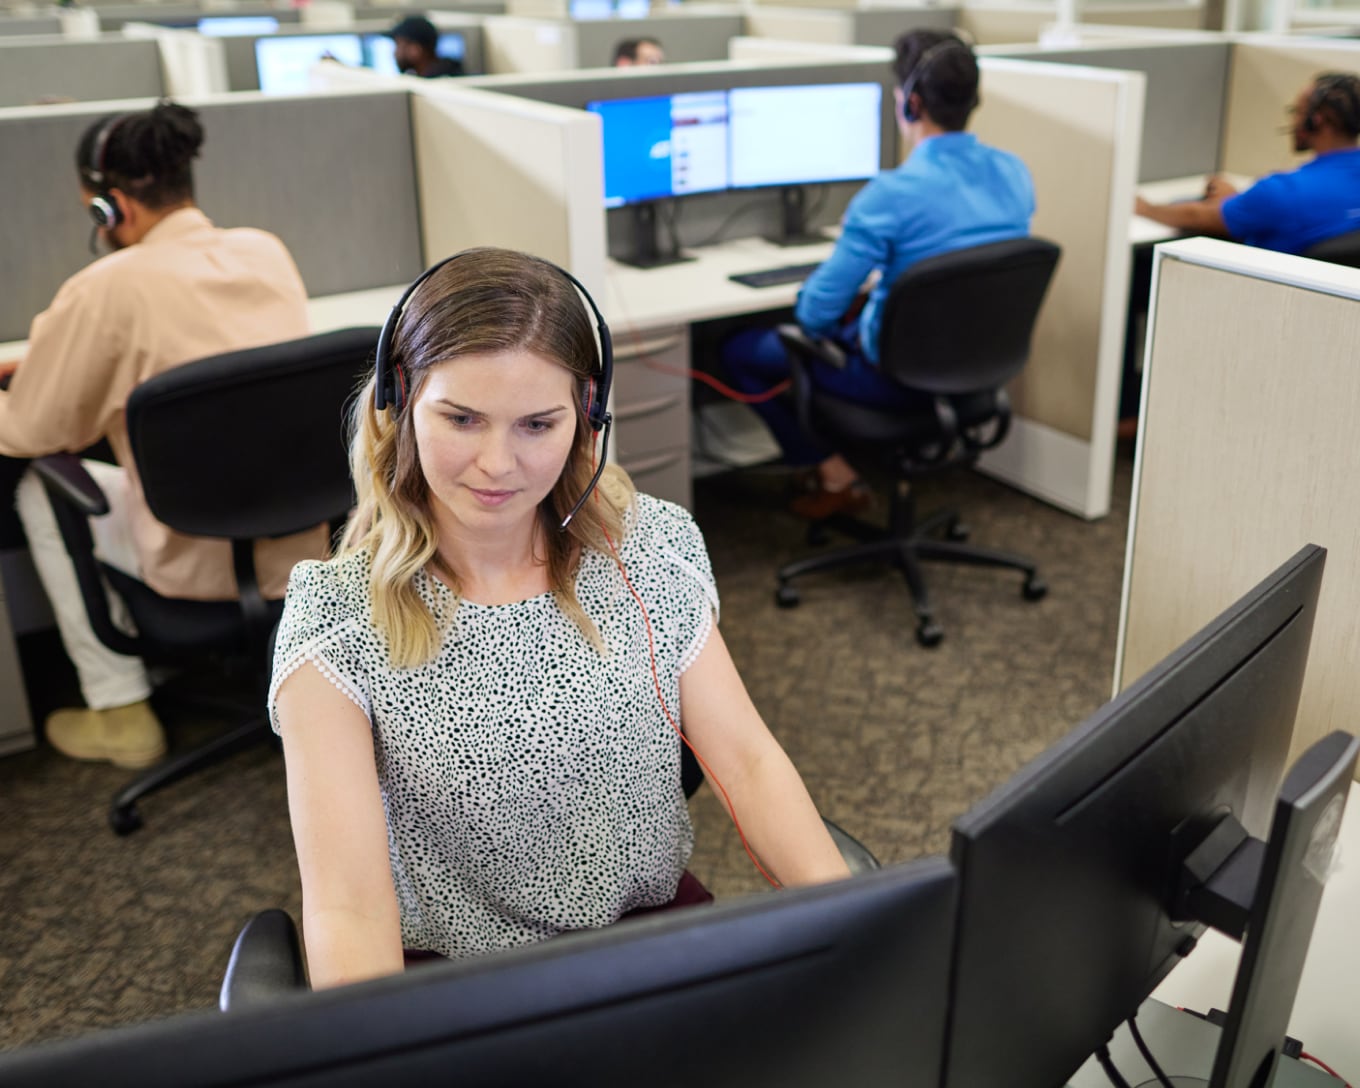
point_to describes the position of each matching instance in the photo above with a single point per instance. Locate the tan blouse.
(185, 291)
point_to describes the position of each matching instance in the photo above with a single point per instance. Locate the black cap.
(417, 29)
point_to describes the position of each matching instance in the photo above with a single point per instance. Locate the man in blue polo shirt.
(952, 192)
(1293, 210)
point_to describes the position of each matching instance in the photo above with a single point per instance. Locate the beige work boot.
(127, 736)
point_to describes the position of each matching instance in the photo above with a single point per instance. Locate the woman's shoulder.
(340, 584)
(659, 522)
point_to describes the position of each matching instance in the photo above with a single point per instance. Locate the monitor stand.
(793, 220)
(646, 252)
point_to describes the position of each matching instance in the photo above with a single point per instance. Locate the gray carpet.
(894, 741)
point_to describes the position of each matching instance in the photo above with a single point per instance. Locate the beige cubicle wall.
(855, 26)
(1266, 77)
(1246, 453)
(519, 43)
(37, 70)
(1078, 130)
(1005, 22)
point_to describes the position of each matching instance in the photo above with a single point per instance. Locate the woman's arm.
(350, 920)
(779, 818)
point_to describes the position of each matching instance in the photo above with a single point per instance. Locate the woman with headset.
(481, 697)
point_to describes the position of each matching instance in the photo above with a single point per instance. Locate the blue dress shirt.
(1291, 211)
(953, 192)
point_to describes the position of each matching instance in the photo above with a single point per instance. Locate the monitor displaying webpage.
(380, 51)
(237, 26)
(662, 146)
(804, 135)
(284, 62)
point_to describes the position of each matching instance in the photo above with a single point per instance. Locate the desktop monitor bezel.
(806, 984)
(1069, 871)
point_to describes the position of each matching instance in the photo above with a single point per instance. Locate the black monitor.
(841, 983)
(1075, 899)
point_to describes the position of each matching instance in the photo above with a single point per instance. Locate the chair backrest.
(1343, 249)
(250, 444)
(961, 322)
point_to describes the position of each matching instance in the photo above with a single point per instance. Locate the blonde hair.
(486, 301)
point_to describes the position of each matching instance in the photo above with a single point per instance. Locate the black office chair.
(1343, 249)
(244, 446)
(956, 328)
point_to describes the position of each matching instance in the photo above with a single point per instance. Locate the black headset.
(389, 381)
(1340, 92)
(103, 208)
(919, 70)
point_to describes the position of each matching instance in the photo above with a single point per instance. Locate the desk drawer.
(664, 474)
(651, 393)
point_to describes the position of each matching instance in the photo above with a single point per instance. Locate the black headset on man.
(389, 384)
(1338, 92)
(922, 68)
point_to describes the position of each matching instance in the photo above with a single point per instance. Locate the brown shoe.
(126, 736)
(823, 503)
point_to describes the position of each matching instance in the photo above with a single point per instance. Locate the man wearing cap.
(417, 40)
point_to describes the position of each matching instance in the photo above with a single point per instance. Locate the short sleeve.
(320, 626)
(1254, 216)
(684, 575)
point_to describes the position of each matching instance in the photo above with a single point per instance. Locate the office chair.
(1343, 249)
(956, 328)
(244, 446)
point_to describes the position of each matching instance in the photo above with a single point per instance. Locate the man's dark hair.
(948, 81)
(418, 30)
(1336, 95)
(627, 49)
(147, 155)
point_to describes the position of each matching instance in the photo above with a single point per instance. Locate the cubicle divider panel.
(1267, 75)
(801, 25)
(332, 176)
(685, 37)
(1187, 88)
(515, 44)
(36, 71)
(1009, 22)
(1077, 129)
(784, 50)
(19, 26)
(882, 25)
(497, 170)
(1246, 452)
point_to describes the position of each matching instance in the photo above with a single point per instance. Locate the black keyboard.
(770, 277)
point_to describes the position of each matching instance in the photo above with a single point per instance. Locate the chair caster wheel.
(125, 821)
(958, 531)
(1034, 589)
(786, 597)
(929, 633)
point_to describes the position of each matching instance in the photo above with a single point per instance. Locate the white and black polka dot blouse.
(532, 785)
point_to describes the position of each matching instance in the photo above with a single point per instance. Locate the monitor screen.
(663, 146)
(805, 135)
(380, 51)
(590, 9)
(1069, 911)
(283, 62)
(632, 9)
(841, 983)
(237, 26)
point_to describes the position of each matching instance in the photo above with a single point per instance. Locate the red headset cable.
(661, 698)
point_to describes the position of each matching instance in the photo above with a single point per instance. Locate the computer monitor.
(380, 51)
(590, 9)
(283, 62)
(1074, 897)
(804, 135)
(840, 983)
(237, 26)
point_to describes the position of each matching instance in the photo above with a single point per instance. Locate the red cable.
(1319, 1062)
(726, 390)
(661, 698)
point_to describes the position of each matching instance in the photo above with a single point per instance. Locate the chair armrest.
(65, 476)
(811, 347)
(857, 856)
(266, 963)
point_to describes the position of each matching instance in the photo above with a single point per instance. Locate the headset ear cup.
(104, 212)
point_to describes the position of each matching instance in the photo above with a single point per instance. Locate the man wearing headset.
(1293, 210)
(175, 289)
(952, 192)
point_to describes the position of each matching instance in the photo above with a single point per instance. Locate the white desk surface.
(1147, 231)
(1326, 1013)
(698, 290)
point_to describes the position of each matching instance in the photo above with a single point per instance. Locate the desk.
(1144, 232)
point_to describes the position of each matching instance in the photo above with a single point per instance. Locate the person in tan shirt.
(174, 289)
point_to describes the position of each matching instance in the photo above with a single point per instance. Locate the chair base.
(905, 546)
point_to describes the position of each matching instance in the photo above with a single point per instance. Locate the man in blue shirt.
(952, 192)
(1293, 210)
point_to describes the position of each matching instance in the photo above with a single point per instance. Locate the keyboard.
(770, 277)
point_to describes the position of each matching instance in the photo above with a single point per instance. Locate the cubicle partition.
(114, 16)
(1003, 21)
(1078, 131)
(1246, 452)
(333, 176)
(856, 26)
(22, 26)
(1187, 87)
(34, 71)
(524, 44)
